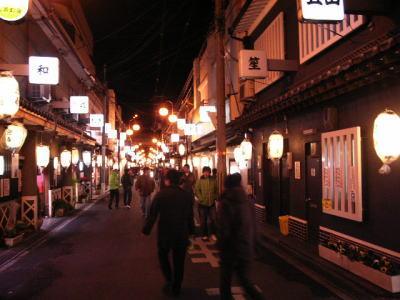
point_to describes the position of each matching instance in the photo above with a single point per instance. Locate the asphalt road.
(101, 254)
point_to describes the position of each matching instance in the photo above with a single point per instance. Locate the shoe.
(204, 238)
(214, 237)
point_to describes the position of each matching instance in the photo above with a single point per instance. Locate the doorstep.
(304, 257)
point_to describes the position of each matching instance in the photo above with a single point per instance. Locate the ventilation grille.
(298, 228)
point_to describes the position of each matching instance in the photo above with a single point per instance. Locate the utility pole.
(103, 135)
(220, 76)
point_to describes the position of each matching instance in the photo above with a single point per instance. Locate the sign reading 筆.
(79, 104)
(252, 64)
(44, 70)
(322, 10)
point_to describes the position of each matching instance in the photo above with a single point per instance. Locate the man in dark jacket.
(127, 183)
(237, 237)
(174, 208)
(145, 185)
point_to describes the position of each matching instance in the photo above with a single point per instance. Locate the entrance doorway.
(313, 190)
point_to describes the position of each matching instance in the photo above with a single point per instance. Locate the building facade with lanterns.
(318, 99)
(49, 94)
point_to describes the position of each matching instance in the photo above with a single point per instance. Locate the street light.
(172, 118)
(163, 111)
(129, 132)
(154, 140)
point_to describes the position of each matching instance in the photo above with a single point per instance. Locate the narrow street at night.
(103, 255)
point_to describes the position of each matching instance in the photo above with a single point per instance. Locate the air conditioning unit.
(247, 91)
(39, 92)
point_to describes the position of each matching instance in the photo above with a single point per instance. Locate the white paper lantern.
(99, 160)
(9, 95)
(66, 158)
(387, 139)
(14, 136)
(87, 157)
(42, 156)
(12, 10)
(275, 145)
(2, 165)
(247, 149)
(81, 166)
(181, 149)
(74, 156)
(56, 163)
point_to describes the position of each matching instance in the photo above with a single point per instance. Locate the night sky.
(148, 47)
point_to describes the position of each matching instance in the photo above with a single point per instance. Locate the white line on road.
(203, 249)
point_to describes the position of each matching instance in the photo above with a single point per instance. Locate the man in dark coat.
(174, 208)
(237, 237)
(127, 183)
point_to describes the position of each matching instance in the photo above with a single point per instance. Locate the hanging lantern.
(181, 149)
(9, 94)
(115, 166)
(11, 10)
(174, 138)
(80, 166)
(14, 137)
(99, 160)
(172, 161)
(75, 156)
(2, 165)
(247, 148)
(386, 138)
(66, 158)
(110, 162)
(42, 156)
(238, 154)
(87, 157)
(275, 145)
(56, 163)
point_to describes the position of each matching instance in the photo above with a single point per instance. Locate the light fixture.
(87, 157)
(239, 158)
(110, 162)
(42, 156)
(172, 118)
(65, 158)
(80, 166)
(56, 163)
(275, 145)
(129, 132)
(99, 160)
(172, 161)
(13, 10)
(9, 95)
(154, 140)
(246, 148)
(2, 165)
(180, 123)
(75, 156)
(181, 149)
(174, 138)
(386, 138)
(163, 111)
(14, 137)
(136, 127)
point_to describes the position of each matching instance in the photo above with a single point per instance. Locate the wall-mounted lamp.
(275, 145)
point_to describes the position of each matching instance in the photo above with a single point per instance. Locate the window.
(341, 173)
(272, 40)
(314, 38)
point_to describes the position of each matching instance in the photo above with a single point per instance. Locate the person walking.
(206, 191)
(187, 180)
(114, 184)
(236, 241)
(145, 185)
(127, 183)
(173, 208)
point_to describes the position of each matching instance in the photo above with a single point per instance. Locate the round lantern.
(56, 163)
(9, 94)
(42, 156)
(66, 158)
(11, 10)
(247, 149)
(2, 164)
(386, 138)
(14, 136)
(87, 157)
(74, 156)
(275, 145)
(181, 149)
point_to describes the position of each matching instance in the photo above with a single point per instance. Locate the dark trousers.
(173, 275)
(114, 194)
(207, 214)
(229, 266)
(128, 196)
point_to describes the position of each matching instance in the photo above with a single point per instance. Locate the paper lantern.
(136, 127)
(247, 149)
(12, 10)
(2, 165)
(66, 158)
(181, 149)
(42, 156)
(74, 156)
(81, 166)
(275, 145)
(110, 162)
(9, 95)
(99, 160)
(56, 163)
(386, 138)
(87, 157)
(14, 136)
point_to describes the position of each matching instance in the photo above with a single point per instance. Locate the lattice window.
(341, 173)
(272, 40)
(314, 38)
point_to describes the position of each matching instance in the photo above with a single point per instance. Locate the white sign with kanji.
(44, 70)
(190, 129)
(112, 134)
(252, 64)
(96, 120)
(79, 104)
(322, 10)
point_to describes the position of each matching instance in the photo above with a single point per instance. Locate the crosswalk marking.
(208, 255)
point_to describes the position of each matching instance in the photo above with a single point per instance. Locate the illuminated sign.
(322, 10)
(252, 64)
(204, 110)
(96, 120)
(79, 104)
(44, 70)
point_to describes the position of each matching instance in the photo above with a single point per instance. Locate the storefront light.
(2, 164)
(42, 156)
(14, 137)
(56, 163)
(66, 158)
(386, 138)
(81, 165)
(275, 145)
(9, 95)
(246, 148)
(87, 157)
(75, 156)
(181, 149)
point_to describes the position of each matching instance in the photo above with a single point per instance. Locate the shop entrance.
(313, 190)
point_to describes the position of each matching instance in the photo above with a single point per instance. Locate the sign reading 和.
(43, 70)
(322, 10)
